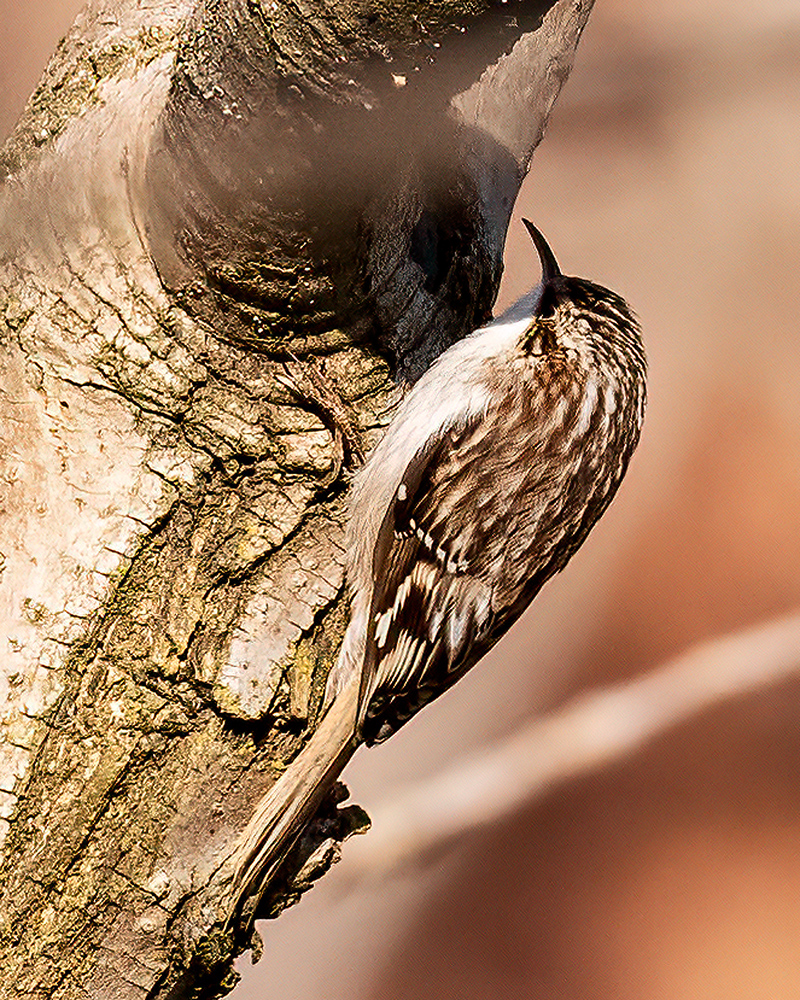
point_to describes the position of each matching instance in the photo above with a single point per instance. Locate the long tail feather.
(292, 801)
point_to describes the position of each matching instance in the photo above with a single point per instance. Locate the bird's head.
(574, 311)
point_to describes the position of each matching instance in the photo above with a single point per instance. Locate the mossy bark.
(209, 211)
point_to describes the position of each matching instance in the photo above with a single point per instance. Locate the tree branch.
(591, 732)
(197, 192)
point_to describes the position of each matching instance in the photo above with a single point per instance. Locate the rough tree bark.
(228, 227)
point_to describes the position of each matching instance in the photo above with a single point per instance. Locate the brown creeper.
(489, 477)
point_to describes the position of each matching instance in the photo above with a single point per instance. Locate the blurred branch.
(592, 731)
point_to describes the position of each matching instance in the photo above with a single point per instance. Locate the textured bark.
(223, 224)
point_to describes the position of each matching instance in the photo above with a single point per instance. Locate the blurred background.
(671, 173)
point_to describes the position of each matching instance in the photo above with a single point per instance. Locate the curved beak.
(550, 268)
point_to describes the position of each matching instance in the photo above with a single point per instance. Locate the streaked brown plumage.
(488, 479)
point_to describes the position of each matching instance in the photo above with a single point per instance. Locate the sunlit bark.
(209, 210)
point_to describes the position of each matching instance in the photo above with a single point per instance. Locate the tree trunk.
(228, 228)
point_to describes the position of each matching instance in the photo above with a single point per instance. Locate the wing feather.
(424, 601)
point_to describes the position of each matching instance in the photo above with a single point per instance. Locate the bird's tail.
(292, 801)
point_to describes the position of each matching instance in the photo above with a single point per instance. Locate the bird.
(489, 477)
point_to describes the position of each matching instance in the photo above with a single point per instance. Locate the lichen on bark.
(234, 203)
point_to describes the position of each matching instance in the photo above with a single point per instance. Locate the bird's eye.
(548, 303)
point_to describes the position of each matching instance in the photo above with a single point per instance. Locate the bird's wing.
(428, 603)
